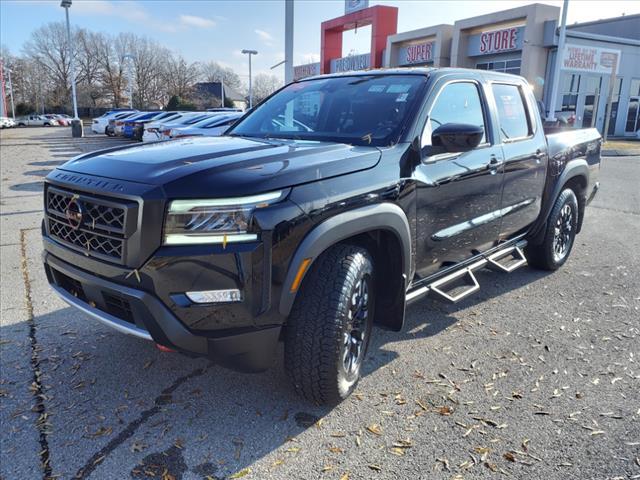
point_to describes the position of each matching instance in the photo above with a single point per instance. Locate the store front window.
(570, 89)
(614, 106)
(506, 66)
(632, 124)
(593, 87)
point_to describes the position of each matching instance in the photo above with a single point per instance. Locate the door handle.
(494, 162)
(539, 154)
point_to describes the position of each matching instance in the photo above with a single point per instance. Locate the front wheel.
(330, 325)
(559, 236)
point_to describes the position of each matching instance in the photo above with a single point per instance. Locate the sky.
(205, 30)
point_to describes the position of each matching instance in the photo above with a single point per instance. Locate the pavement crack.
(629, 212)
(36, 387)
(131, 428)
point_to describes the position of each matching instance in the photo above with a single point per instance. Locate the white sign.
(352, 62)
(417, 53)
(308, 70)
(351, 6)
(590, 59)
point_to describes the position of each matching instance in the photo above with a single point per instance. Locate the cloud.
(266, 37)
(309, 58)
(194, 21)
(127, 10)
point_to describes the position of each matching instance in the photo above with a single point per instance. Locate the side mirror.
(457, 137)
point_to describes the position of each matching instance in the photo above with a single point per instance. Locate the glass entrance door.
(587, 102)
(633, 121)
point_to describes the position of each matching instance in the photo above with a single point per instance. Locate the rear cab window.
(513, 116)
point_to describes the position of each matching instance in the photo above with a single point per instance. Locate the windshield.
(360, 110)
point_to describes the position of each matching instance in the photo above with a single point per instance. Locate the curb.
(620, 153)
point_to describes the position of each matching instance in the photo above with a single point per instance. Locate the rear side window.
(512, 114)
(456, 103)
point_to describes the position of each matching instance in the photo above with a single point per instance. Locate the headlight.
(219, 220)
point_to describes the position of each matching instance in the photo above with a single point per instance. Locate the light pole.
(250, 52)
(13, 108)
(76, 124)
(288, 42)
(10, 85)
(551, 114)
(128, 56)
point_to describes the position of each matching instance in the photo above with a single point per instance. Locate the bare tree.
(48, 48)
(214, 72)
(148, 69)
(264, 85)
(111, 53)
(88, 68)
(180, 75)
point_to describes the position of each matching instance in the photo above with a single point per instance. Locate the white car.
(210, 127)
(35, 121)
(100, 124)
(6, 122)
(159, 131)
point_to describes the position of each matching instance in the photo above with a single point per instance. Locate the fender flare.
(577, 167)
(382, 216)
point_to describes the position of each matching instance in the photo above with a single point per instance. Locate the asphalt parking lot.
(536, 376)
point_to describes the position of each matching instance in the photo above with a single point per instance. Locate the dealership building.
(522, 41)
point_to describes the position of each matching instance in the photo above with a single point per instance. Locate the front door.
(458, 194)
(632, 125)
(587, 103)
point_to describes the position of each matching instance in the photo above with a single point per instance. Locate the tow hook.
(162, 348)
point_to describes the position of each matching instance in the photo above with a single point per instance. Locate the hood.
(225, 166)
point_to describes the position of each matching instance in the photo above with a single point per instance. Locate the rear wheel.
(330, 325)
(559, 236)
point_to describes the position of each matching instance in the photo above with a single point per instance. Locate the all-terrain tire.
(559, 235)
(324, 320)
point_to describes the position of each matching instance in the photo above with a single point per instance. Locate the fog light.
(215, 296)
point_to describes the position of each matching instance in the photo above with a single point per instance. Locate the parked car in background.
(118, 117)
(210, 127)
(100, 124)
(139, 125)
(153, 131)
(129, 123)
(224, 109)
(35, 120)
(63, 119)
(119, 124)
(6, 122)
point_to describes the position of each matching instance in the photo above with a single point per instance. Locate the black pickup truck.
(322, 212)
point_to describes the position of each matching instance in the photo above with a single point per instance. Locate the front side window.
(358, 110)
(456, 103)
(512, 114)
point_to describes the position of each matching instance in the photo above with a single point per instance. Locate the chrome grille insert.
(95, 226)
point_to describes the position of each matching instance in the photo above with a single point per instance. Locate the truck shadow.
(130, 404)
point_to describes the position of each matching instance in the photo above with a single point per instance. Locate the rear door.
(525, 156)
(458, 195)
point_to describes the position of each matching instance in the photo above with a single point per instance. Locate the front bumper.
(141, 314)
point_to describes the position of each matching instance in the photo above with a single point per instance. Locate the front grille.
(95, 226)
(91, 243)
(98, 215)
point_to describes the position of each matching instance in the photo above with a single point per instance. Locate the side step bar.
(462, 283)
(514, 259)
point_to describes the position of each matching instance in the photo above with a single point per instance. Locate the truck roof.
(472, 72)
